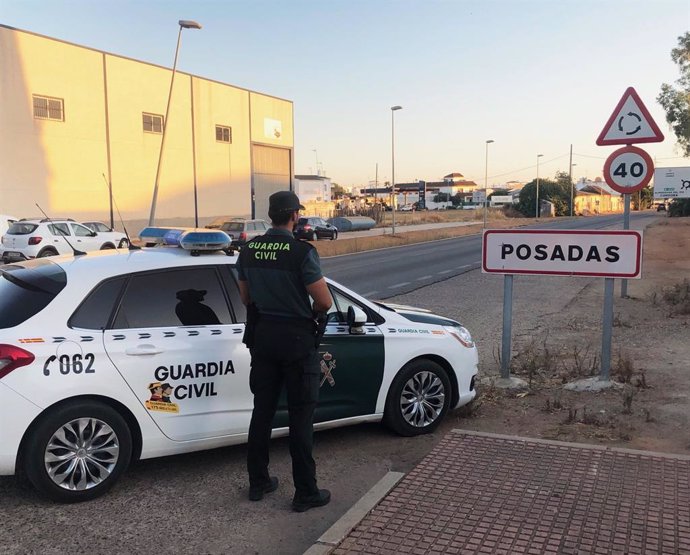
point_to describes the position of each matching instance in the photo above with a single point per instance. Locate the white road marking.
(399, 285)
(369, 294)
(446, 272)
(424, 277)
(463, 266)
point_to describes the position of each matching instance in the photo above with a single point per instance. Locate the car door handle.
(143, 350)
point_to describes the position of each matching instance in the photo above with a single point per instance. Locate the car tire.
(123, 244)
(87, 471)
(107, 246)
(404, 413)
(314, 236)
(334, 236)
(47, 252)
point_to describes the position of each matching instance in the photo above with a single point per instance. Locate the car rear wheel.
(77, 452)
(47, 252)
(418, 399)
(107, 246)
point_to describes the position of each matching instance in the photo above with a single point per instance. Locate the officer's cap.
(283, 201)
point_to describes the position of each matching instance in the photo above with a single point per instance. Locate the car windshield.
(232, 226)
(27, 288)
(21, 228)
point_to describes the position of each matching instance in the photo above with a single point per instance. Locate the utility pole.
(570, 178)
(376, 185)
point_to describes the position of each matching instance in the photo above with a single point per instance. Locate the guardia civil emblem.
(327, 365)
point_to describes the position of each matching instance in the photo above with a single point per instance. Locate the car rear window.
(302, 221)
(21, 229)
(232, 226)
(27, 288)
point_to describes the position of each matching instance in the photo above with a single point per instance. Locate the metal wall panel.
(271, 173)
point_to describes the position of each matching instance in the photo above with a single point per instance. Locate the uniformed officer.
(277, 275)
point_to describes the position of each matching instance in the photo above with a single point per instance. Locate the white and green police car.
(120, 355)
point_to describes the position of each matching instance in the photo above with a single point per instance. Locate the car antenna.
(74, 251)
(131, 246)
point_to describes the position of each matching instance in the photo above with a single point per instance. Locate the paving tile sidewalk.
(485, 493)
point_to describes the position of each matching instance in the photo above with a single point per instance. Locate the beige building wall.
(55, 164)
(224, 172)
(61, 165)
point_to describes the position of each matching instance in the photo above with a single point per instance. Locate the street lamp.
(393, 110)
(317, 160)
(184, 24)
(537, 207)
(486, 177)
(572, 189)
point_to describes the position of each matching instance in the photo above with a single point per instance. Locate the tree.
(499, 193)
(337, 191)
(643, 199)
(557, 192)
(676, 104)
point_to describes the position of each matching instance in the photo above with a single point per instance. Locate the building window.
(48, 108)
(223, 134)
(152, 123)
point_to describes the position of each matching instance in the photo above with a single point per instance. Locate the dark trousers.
(284, 353)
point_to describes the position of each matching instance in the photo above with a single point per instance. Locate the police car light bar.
(191, 239)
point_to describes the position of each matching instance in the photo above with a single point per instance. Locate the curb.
(342, 527)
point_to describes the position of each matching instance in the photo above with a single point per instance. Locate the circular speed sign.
(628, 169)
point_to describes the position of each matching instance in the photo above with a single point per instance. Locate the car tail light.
(243, 236)
(307, 227)
(35, 240)
(12, 357)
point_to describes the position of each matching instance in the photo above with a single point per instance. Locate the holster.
(250, 326)
(320, 321)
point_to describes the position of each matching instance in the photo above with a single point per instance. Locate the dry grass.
(343, 245)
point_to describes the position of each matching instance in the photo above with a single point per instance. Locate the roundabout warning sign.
(628, 169)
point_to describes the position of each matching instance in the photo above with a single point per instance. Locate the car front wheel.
(418, 399)
(123, 244)
(334, 236)
(77, 452)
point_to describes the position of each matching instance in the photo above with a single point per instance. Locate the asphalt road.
(197, 503)
(394, 271)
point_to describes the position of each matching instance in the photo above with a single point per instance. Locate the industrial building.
(77, 121)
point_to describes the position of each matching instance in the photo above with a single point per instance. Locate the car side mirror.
(93, 234)
(356, 318)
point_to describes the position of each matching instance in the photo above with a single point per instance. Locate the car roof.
(95, 266)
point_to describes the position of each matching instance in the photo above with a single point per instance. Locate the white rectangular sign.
(616, 254)
(672, 182)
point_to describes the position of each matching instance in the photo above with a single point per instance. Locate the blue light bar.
(206, 240)
(156, 234)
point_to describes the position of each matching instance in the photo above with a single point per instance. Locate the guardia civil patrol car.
(119, 355)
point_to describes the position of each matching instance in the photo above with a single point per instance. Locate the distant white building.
(313, 188)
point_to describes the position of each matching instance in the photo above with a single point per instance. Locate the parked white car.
(108, 233)
(27, 239)
(5, 223)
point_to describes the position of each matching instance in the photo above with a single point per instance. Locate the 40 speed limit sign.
(628, 169)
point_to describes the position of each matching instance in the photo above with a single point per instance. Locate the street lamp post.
(184, 24)
(572, 190)
(316, 154)
(537, 207)
(393, 110)
(486, 177)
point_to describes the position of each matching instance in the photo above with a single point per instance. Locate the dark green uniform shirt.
(278, 268)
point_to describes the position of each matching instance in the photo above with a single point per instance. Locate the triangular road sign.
(630, 123)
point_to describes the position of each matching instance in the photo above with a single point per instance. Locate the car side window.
(95, 310)
(81, 231)
(181, 297)
(59, 229)
(338, 310)
(102, 228)
(230, 279)
(264, 226)
(251, 226)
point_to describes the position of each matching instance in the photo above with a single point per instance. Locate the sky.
(534, 76)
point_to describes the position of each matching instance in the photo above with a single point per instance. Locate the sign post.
(629, 169)
(607, 254)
